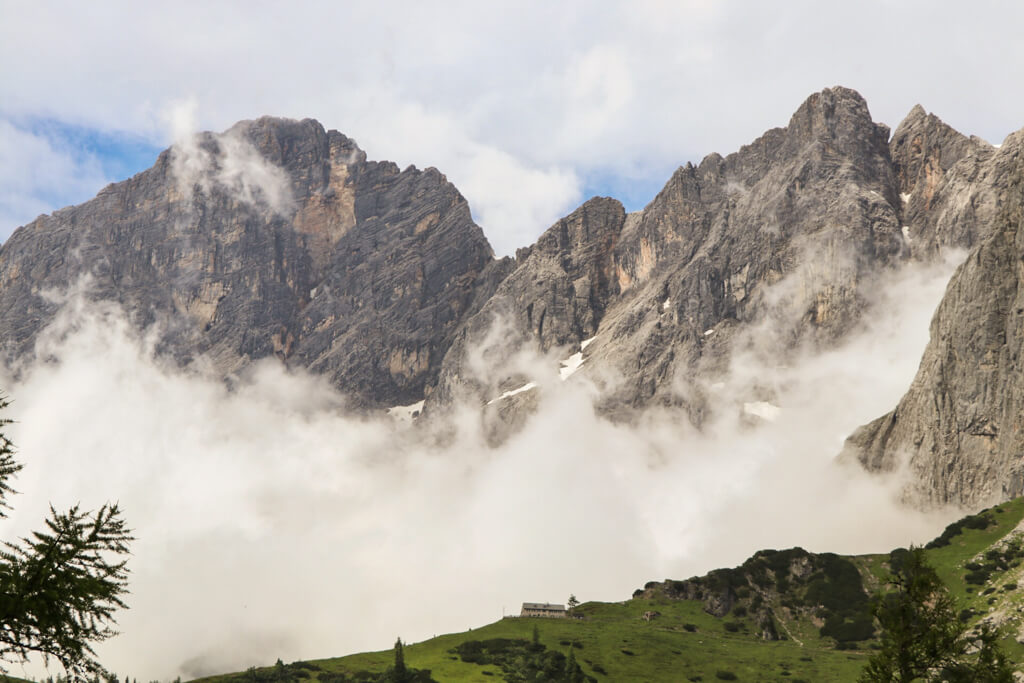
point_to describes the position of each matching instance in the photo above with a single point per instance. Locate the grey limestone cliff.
(959, 430)
(948, 183)
(274, 239)
(790, 226)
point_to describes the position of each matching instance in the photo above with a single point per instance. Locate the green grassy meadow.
(612, 642)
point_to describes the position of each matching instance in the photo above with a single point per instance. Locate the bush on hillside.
(982, 520)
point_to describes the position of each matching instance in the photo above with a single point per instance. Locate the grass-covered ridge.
(786, 615)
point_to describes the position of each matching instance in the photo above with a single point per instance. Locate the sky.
(269, 523)
(529, 108)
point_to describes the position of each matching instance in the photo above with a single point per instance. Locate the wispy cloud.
(227, 162)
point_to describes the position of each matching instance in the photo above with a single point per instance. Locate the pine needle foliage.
(60, 587)
(922, 637)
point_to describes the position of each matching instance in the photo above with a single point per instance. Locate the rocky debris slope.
(959, 430)
(274, 239)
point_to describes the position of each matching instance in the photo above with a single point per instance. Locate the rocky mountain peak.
(663, 291)
(924, 149)
(838, 116)
(273, 238)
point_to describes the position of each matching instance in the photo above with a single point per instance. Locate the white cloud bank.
(517, 102)
(270, 524)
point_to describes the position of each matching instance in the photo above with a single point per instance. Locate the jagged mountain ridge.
(671, 285)
(280, 239)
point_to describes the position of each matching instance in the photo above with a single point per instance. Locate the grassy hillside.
(781, 616)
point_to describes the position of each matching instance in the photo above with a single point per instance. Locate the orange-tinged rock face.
(407, 363)
(427, 222)
(328, 215)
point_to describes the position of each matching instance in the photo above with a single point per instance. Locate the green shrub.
(982, 520)
(723, 675)
(978, 577)
(848, 627)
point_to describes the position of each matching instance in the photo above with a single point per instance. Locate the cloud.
(272, 524)
(35, 169)
(509, 197)
(531, 94)
(227, 162)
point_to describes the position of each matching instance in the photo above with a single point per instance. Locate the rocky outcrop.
(826, 588)
(274, 239)
(959, 430)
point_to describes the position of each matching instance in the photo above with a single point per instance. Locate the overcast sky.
(528, 107)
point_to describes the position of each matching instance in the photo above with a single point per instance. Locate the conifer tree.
(60, 587)
(399, 670)
(922, 637)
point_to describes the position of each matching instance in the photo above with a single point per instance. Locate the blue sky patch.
(119, 154)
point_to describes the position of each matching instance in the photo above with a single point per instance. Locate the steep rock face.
(276, 238)
(790, 226)
(948, 184)
(959, 430)
(555, 295)
(813, 204)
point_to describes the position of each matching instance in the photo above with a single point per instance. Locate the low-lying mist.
(272, 524)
